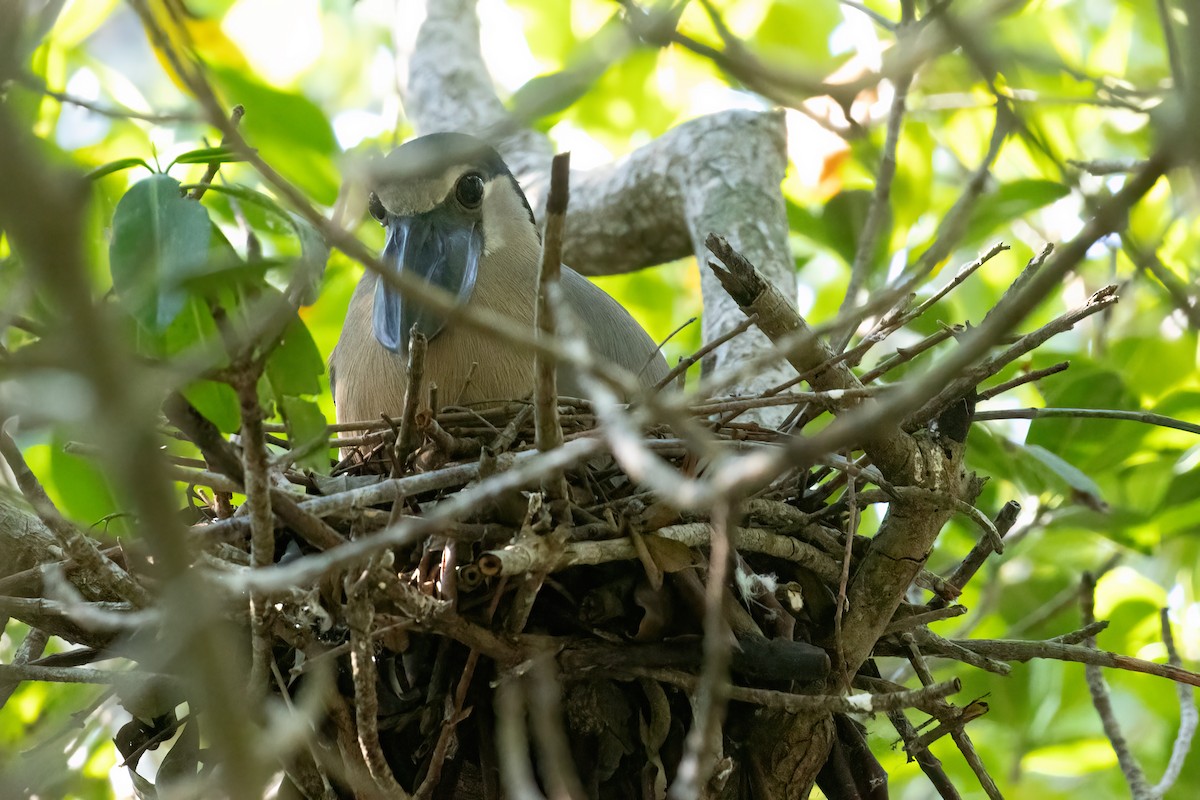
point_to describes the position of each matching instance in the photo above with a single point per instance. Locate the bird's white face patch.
(505, 216)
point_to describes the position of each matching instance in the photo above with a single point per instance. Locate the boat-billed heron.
(455, 217)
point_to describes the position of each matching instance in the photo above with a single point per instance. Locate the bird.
(455, 216)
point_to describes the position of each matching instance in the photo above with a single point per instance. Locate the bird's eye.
(469, 190)
(375, 206)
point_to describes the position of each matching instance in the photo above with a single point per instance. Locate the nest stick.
(546, 424)
(417, 343)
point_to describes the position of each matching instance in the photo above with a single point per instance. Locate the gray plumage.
(419, 196)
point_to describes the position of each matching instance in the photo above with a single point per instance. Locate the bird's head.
(448, 202)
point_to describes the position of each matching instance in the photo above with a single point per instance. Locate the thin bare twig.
(704, 740)
(979, 553)
(545, 712)
(512, 740)
(1145, 417)
(844, 578)
(877, 212)
(1189, 717)
(547, 427)
(414, 375)
(1098, 687)
(257, 481)
(686, 364)
(957, 732)
(210, 172)
(79, 547)
(31, 649)
(1029, 377)
(360, 614)
(35, 84)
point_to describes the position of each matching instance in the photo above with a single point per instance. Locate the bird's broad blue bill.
(437, 248)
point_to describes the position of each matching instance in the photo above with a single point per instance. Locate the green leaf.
(160, 239)
(193, 327)
(797, 32)
(295, 366)
(1084, 487)
(838, 225)
(314, 252)
(1011, 201)
(306, 425)
(81, 485)
(288, 129)
(116, 166)
(1096, 446)
(208, 155)
(314, 255)
(250, 196)
(217, 402)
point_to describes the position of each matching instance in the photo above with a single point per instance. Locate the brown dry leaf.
(670, 555)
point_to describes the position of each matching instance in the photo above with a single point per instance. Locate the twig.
(983, 368)
(360, 614)
(623, 430)
(309, 774)
(877, 212)
(1145, 417)
(864, 703)
(455, 715)
(75, 544)
(262, 522)
(535, 555)
(903, 355)
(844, 578)
(547, 428)
(414, 375)
(512, 741)
(703, 745)
(1181, 293)
(35, 84)
(1012, 650)
(545, 712)
(31, 649)
(506, 437)
(527, 468)
(1028, 377)
(210, 172)
(663, 343)
(904, 623)
(1179, 77)
(959, 278)
(1189, 718)
(957, 732)
(850, 428)
(1098, 687)
(932, 643)
(868, 678)
(979, 553)
(224, 458)
(954, 224)
(778, 320)
(1107, 166)
(686, 364)
(873, 15)
(1084, 633)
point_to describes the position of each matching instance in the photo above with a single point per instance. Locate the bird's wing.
(611, 332)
